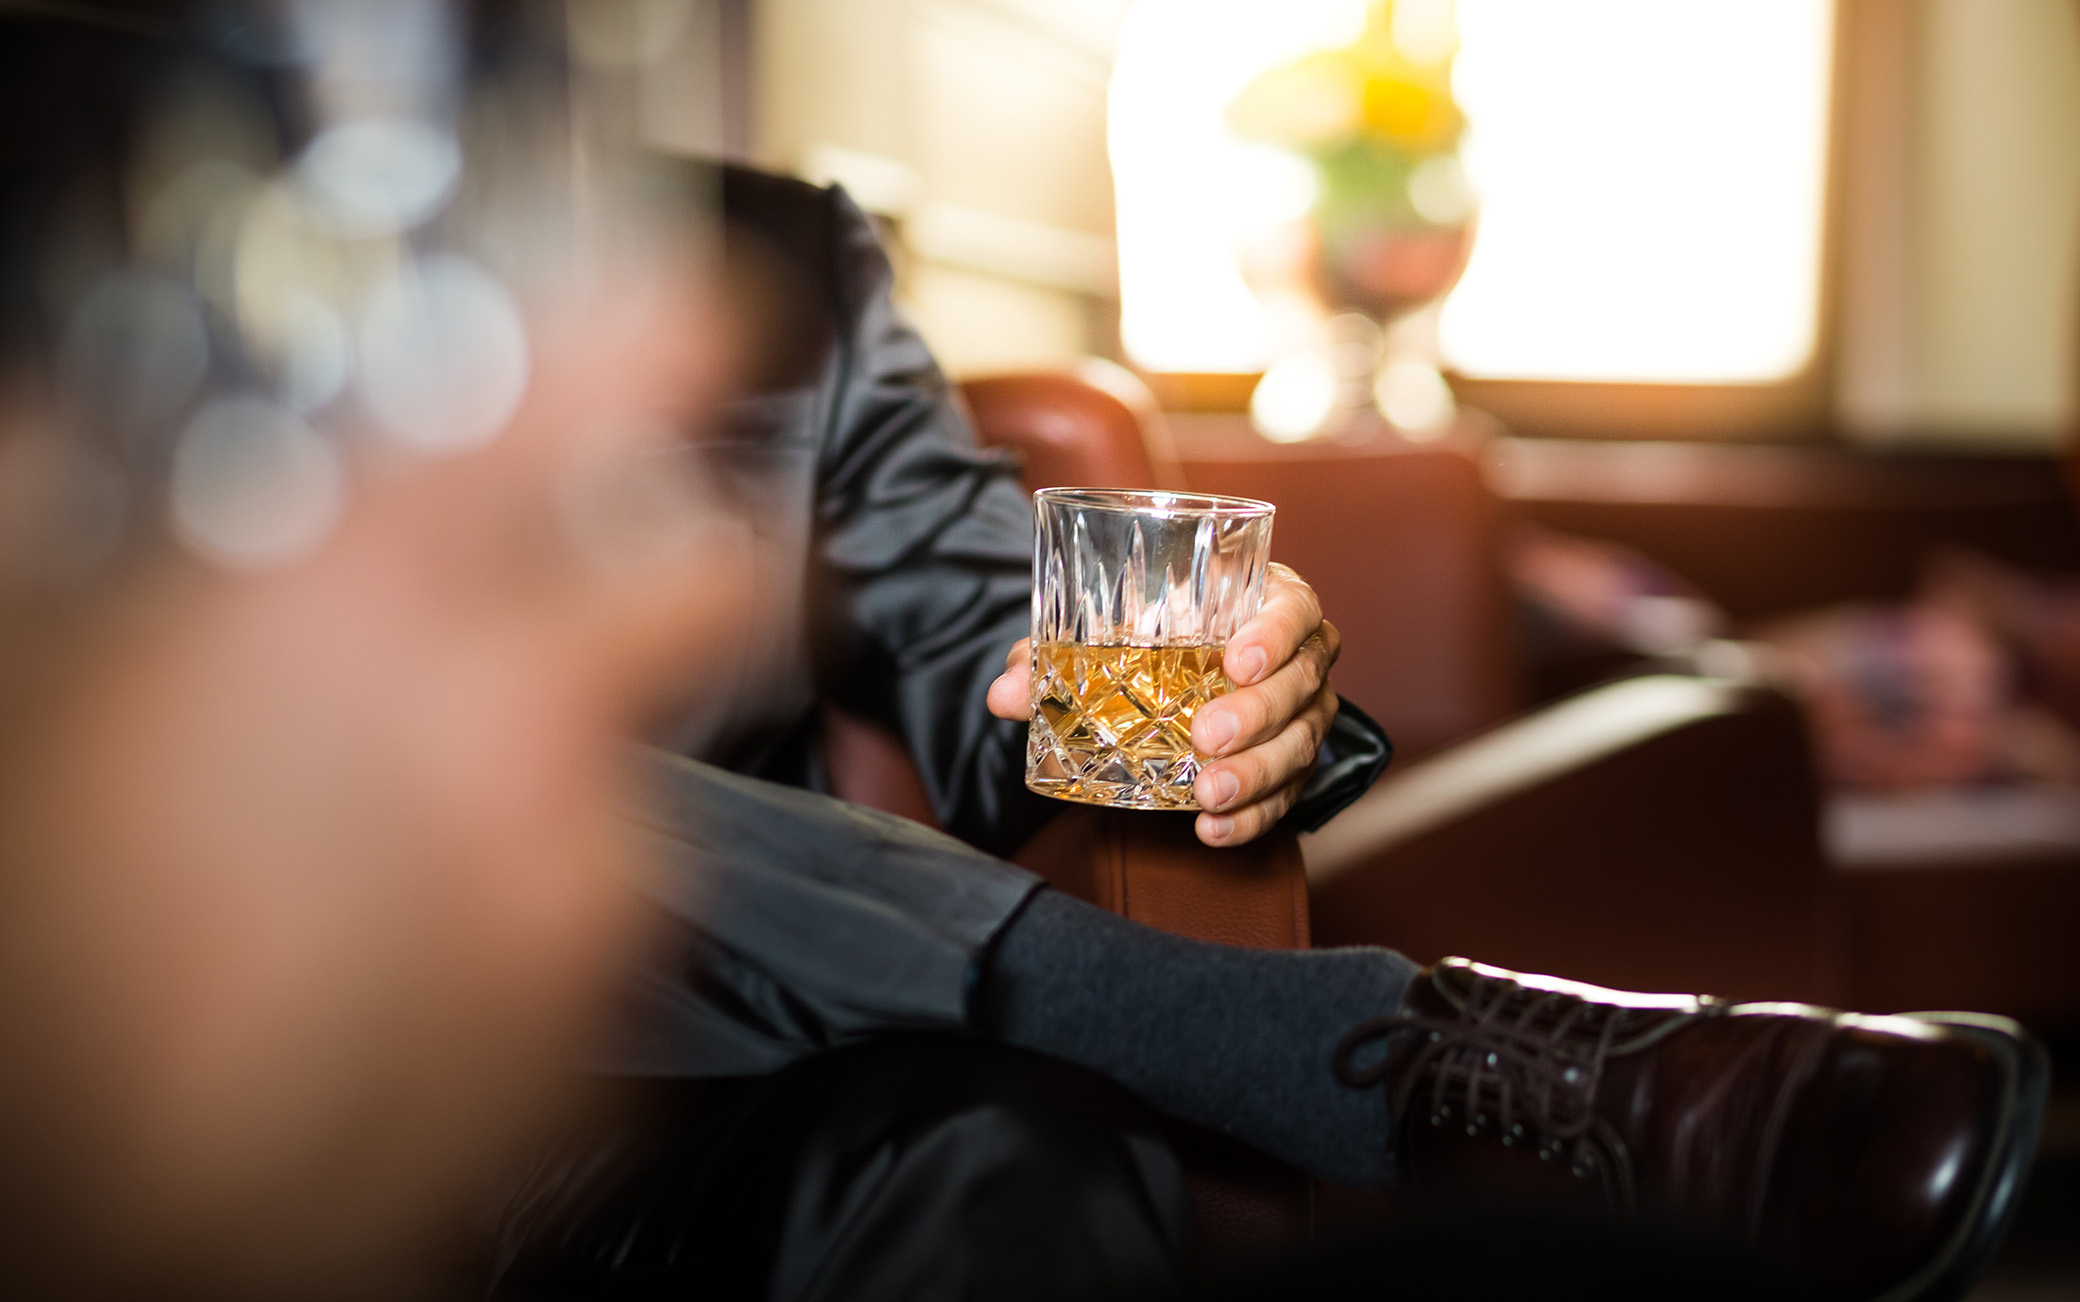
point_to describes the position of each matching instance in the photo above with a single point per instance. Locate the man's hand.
(1259, 740)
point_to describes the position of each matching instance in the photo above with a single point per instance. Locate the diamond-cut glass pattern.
(1134, 597)
(1112, 725)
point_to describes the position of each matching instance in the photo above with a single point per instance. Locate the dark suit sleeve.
(925, 543)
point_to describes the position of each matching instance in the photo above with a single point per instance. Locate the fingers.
(1247, 823)
(1290, 615)
(1245, 794)
(1010, 696)
(1251, 716)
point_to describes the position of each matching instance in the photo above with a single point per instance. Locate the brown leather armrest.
(1655, 833)
(1153, 869)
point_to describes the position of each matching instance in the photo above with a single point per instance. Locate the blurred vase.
(1389, 226)
(1340, 292)
(1388, 271)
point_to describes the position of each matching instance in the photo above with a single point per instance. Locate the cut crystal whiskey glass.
(1134, 597)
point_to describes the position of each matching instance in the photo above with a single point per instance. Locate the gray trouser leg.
(794, 922)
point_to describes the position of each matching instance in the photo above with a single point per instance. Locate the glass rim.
(1156, 501)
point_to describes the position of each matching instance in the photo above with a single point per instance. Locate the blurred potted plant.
(1391, 227)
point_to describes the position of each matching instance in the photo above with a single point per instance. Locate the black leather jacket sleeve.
(920, 558)
(925, 543)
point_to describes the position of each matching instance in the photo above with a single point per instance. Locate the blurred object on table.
(1912, 696)
(1591, 610)
(2035, 616)
(1389, 230)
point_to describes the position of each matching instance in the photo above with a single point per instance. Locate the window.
(1652, 177)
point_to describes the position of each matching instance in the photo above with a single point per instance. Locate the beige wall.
(978, 128)
(1961, 238)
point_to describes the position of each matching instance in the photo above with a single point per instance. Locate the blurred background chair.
(1958, 893)
(1655, 833)
(1659, 834)
(1708, 850)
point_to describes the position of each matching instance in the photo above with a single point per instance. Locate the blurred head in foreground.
(336, 553)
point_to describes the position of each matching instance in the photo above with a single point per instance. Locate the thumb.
(1010, 696)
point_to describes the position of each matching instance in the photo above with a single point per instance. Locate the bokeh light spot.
(379, 175)
(443, 355)
(253, 487)
(314, 353)
(1295, 397)
(1415, 399)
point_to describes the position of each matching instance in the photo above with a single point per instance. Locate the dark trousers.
(932, 1167)
(910, 1167)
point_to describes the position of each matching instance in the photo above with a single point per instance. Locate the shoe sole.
(2028, 1070)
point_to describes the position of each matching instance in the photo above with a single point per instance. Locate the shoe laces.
(1528, 1060)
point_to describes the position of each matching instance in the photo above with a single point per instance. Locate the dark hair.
(73, 82)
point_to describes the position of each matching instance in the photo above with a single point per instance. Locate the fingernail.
(1220, 829)
(1218, 730)
(1248, 666)
(1226, 786)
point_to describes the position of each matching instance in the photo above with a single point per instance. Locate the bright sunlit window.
(1651, 181)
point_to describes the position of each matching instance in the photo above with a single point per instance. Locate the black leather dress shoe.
(1874, 1157)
